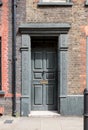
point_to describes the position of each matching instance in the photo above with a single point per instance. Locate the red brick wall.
(4, 32)
(4, 40)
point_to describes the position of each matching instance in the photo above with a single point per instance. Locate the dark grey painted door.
(44, 90)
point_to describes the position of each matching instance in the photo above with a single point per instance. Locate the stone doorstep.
(43, 114)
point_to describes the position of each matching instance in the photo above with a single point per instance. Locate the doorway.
(56, 33)
(44, 86)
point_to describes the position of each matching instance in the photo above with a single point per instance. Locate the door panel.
(49, 94)
(50, 75)
(50, 57)
(37, 75)
(38, 60)
(38, 94)
(44, 79)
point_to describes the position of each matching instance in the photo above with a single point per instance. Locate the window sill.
(2, 93)
(67, 4)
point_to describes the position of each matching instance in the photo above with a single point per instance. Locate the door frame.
(43, 29)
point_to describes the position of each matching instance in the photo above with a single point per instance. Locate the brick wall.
(4, 40)
(20, 18)
(77, 16)
(6, 102)
(5, 28)
(29, 12)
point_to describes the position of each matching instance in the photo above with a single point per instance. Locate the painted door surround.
(43, 29)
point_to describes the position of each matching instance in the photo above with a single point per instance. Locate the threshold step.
(44, 113)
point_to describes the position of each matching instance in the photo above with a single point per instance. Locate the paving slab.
(41, 123)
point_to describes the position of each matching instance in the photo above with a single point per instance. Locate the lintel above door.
(44, 28)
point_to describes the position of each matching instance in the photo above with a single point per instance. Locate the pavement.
(41, 123)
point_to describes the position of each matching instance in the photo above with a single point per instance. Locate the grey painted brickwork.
(72, 105)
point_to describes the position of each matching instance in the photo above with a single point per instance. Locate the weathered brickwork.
(4, 41)
(77, 16)
(21, 16)
(29, 12)
(4, 36)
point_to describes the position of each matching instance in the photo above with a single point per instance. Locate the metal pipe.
(85, 109)
(14, 4)
(86, 92)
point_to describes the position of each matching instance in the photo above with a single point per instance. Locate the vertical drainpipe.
(14, 4)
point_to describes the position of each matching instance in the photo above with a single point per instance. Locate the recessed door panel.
(38, 60)
(50, 60)
(38, 94)
(50, 75)
(37, 75)
(50, 94)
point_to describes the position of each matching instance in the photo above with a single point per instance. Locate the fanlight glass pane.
(54, 0)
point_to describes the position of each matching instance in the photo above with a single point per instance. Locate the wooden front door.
(44, 74)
